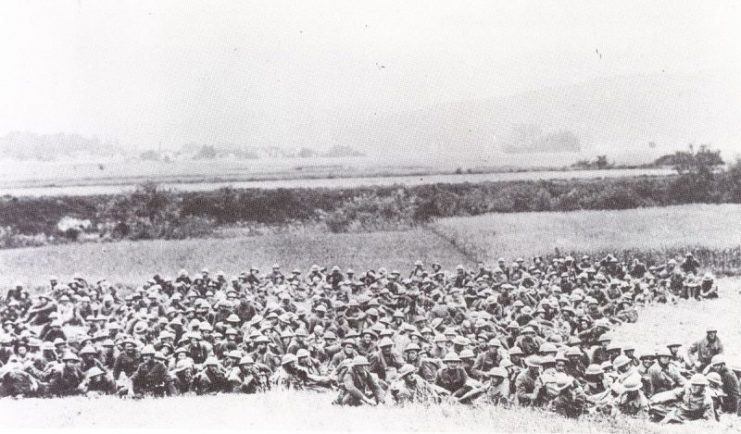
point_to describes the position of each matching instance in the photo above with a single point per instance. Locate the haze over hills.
(23, 145)
(618, 115)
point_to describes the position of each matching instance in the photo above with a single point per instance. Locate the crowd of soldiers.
(529, 333)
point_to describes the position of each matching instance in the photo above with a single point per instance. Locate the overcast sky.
(170, 72)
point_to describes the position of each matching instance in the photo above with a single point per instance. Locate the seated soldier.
(360, 386)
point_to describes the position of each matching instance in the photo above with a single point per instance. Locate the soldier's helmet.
(360, 361)
(632, 383)
(497, 372)
(288, 359)
(451, 357)
(698, 380)
(406, 370)
(94, 371)
(69, 356)
(385, 342)
(714, 378)
(620, 361)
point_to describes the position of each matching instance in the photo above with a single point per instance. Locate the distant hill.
(47, 147)
(621, 114)
(530, 138)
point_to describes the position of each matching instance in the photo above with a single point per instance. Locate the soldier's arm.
(478, 363)
(521, 389)
(709, 410)
(377, 390)
(473, 393)
(117, 368)
(351, 389)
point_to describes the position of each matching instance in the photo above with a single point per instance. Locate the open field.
(685, 322)
(302, 412)
(115, 174)
(132, 262)
(334, 178)
(508, 235)
(660, 231)
(490, 236)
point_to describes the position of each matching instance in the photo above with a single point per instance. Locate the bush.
(151, 212)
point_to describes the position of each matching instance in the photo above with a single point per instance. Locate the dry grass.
(132, 262)
(486, 237)
(301, 412)
(685, 322)
(508, 235)
(529, 234)
(291, 411)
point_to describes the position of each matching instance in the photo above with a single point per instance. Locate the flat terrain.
(451, 241)
(685, 322)
(508, 235)
(120, 175)
(536, 233)
(132, 262)
(289, 412)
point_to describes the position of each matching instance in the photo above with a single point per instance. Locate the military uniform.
(150, 378)
(358, 386)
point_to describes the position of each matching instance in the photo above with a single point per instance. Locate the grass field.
(451, 241)
(507, 235)
(303, 412)
(685, 322)
(537, 233)
(291, 411)
(133, 262)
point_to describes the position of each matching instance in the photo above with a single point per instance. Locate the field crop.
(525, 234)
(664, 231)
(651, 233)
(132, 262)
(151, 212)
